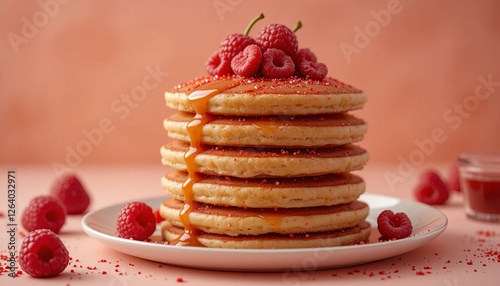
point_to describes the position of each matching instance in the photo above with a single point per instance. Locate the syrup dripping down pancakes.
(264, 163)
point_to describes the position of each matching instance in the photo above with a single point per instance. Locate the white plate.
(427, 221)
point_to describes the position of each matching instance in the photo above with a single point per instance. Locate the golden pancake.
(326, 190)
(235, 221)
(264, 96)
(282, 131)
(266, 162)
(348, 236)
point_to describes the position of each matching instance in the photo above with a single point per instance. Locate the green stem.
(247, 30)
(297, 26)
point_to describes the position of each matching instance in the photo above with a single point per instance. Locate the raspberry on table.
(431, 189)
(43, 254)
(70, 192)
(394, 226)
(278, 36)
(217, 66)
(247, 62)
(44, 212)
(454, 179)
(276, 64)
(137, 221)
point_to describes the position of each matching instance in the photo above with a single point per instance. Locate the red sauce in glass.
(483, 193)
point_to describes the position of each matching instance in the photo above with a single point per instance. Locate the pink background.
(66, 70)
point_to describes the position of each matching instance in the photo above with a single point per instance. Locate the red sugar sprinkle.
(420, 273)
(180, 280)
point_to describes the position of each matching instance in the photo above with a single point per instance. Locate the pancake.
(266, 162)
(348, 236)
(326, 190)
(235, 221)
(264, 96)
(282, 131)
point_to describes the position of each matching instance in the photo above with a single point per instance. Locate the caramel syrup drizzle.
(275, 220)
(199, 100)
(266, 127)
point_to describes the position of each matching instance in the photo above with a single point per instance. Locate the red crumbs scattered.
(481, 250)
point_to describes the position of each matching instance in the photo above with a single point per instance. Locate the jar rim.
(479, 158)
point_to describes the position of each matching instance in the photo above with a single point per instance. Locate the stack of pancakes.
(264, 163)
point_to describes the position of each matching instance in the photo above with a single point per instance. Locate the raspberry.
(158, 217)
(44, 212)
(454, 179)
(42, 254)
(276, 64)
(136, 221)
(217, 66)
(247, 62)
(305, 54)
(312, 70)
(278, 36)
(234, 44)
(71, 193)
(394, 226)
(431, 189)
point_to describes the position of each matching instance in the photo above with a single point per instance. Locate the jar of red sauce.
(480, 184)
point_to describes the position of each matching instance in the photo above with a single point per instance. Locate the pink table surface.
(459, 256)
